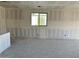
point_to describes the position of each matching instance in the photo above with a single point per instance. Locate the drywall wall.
(62, 23)
(13, 20)
(2, 20)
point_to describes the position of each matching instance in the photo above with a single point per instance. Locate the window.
(39, 19)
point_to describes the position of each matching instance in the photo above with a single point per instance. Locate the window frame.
(46, 19)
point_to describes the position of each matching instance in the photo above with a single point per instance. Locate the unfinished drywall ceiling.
(43, 4)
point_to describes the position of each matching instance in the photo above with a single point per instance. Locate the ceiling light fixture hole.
(38, 6)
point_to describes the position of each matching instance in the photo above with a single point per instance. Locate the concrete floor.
(42, 48)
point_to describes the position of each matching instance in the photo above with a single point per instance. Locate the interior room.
(39, 29)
